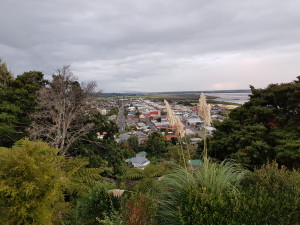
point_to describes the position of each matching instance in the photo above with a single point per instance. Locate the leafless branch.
(63, 113)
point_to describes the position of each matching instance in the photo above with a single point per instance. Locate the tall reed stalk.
(204, 111)
(180, 132)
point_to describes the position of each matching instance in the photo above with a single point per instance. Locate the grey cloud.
(134, 44)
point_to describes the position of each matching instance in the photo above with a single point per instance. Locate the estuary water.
(239, 98)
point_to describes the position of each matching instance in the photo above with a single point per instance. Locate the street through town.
(121, 118)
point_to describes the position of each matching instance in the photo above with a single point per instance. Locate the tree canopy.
(266, 127)
(5, 75)
(157, 144)
(17, 102)
(35, 182)
(31, 180)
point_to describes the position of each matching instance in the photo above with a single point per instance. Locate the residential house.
(138, 162)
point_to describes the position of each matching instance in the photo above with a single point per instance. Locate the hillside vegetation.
(55, 170)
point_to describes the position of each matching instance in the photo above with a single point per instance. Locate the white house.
(138, 162)
(195, 141)
(193, 121)
(209, 130)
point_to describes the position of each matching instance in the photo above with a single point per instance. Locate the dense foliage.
(265, 128)
(271, 195)
(31, 183)
(101, 153)
(198, 196)
(17, 102)
(226, 194)
(98, 203)
(83, 178)
(5, 75)
(157, 144)
(35, 183)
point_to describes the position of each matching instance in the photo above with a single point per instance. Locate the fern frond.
(134, 174)
(81, 179)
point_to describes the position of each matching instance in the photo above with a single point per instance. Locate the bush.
(206, 195)
(31, 183)
(271, 196)
(97, 205)
(199, 206)
(221, 194)
(138, 210)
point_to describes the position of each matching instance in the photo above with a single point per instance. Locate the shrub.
(97, 204)
(138, 210)
(271, 196)
(222, 194)
(31, 183)
(202, 196)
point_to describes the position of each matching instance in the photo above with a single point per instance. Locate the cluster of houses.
(144, 116)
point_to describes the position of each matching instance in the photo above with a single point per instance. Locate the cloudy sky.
(155, 45)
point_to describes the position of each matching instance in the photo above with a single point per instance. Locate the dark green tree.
(17, 102)
(137, 113)
(104, 153)
(113, 111)
(265, 128)
(5, 75)
(133, 142)
(157, 144)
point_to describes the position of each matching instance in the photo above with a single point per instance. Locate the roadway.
(150, 124)
(121, 118)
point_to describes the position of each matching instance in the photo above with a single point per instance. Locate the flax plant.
(199, 188)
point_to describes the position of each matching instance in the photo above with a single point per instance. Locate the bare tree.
(63, 111)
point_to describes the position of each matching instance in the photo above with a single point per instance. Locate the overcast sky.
(155, 45)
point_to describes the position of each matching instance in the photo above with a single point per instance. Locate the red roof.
(169, 137)
(154, 113)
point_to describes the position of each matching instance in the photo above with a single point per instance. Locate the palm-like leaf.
(150, 171)
(81, 179)
(210, 179)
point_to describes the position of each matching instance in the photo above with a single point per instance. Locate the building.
(138, 162)
(194, 163)
(101, 135)
(169, 137)
(195, 141)
(141, 154)
(193, 121)
(209, 130)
